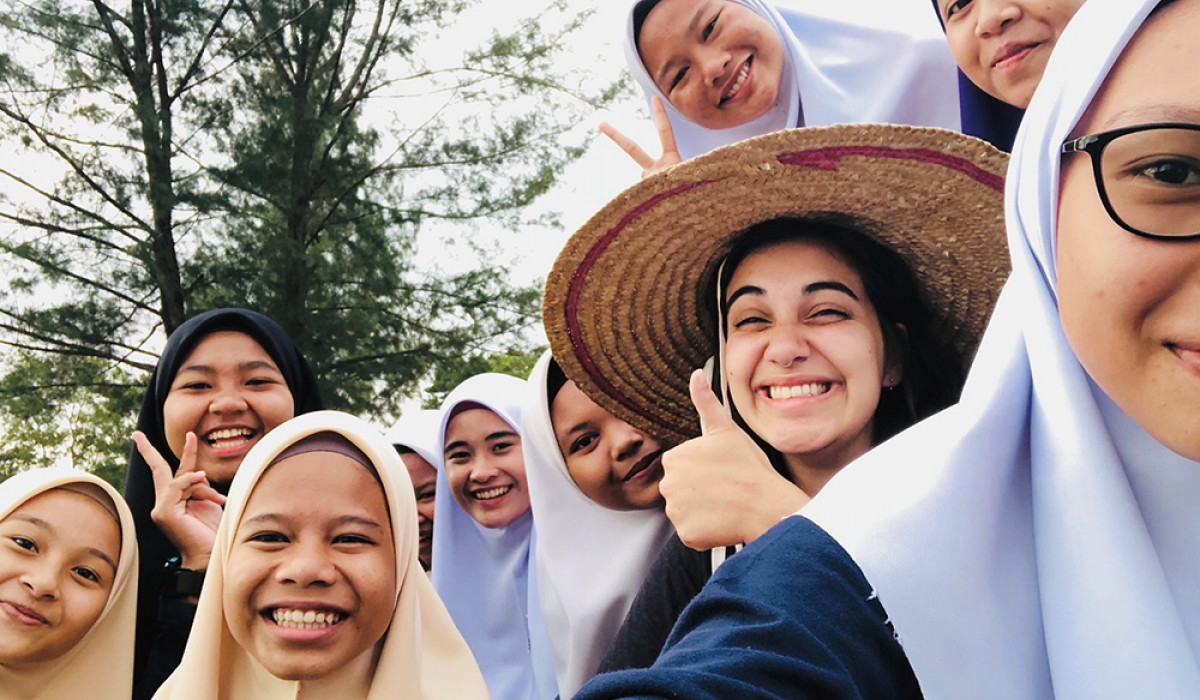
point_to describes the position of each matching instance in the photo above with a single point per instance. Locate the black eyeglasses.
(1148, 177)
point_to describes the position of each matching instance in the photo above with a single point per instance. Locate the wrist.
(195, 562)
(180, 581)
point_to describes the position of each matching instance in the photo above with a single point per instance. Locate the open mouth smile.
(311, 619)
(227, 438)
(492, 493)
(737, 82)
(799, 390)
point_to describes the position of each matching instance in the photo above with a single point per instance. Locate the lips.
(230, 437)
(738, 81)
(1012, 53)
(654, 459)
(491, 494)
(24, 615)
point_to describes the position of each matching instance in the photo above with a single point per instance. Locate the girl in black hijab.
(225, 378)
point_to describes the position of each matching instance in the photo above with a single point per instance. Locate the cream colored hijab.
(100, 666)
(423, 655)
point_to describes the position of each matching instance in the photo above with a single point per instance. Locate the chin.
(295, 670)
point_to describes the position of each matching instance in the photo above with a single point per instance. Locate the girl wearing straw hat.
(321, 597)
(838, 278)
(721, 71)
(68, 587)
(1037, 540)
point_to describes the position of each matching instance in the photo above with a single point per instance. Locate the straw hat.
(625, 307)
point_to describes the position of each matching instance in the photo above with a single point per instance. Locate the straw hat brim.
(624, 308)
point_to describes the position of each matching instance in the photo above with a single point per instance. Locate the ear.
(893, 367)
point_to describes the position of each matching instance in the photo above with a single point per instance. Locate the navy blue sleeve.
(791, 616)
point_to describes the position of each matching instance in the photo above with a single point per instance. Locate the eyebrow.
(662, 73)
(340, 520)
(456, 445)
(501, 434)
(813, 288)
(1152, 113)
(34, 520)
(253, 364)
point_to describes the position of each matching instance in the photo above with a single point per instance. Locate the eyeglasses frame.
(1094, 144)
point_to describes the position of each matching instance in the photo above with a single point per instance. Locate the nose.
(994, 16)
(627, 442)
(484, 469)
(714, 64)
(309, 564)
(787, 345)
(228, 399)
(41, 582)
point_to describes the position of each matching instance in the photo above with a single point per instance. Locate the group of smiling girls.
(807, 427)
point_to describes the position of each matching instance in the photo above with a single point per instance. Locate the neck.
(812, 470)
(350, 681)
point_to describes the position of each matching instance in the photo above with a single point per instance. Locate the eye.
(260, 381)
(426, 495)
(751, 322)
(583, 442)
(502, 447)
(1170, 171)
(458, 457)
(709, 28)
(268, 538)
(828, 314)
(956, 6)
(25, 543)
(353, 538)
(678, 78)
(196, 386)
(86, 574)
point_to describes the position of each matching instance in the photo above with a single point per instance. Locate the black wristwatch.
(179, 582)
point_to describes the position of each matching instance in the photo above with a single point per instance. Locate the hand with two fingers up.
(186, 507)
(720, 488)
(670, 152)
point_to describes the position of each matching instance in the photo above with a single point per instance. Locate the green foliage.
(67, 410)
(515, 360)
(242, 154)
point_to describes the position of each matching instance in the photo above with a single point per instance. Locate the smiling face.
(1130, 306)
(310, 584)
(612, 463)
(486, 468)
(718, 62)
(230, 393)
(58, 555)
(424, 481)
(1003, 45)
(804, 355)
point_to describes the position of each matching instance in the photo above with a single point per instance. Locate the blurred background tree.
(281, 155)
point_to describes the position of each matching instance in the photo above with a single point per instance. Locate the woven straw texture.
(623, 307)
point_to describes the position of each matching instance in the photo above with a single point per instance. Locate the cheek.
(242, 575)
(742, 356)
(276, 408)
(179, 416)
(87, 610)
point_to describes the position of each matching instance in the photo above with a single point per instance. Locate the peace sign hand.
(186, 508)
(720, 488)
(666, 135)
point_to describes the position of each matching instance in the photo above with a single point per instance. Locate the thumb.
(714, 416)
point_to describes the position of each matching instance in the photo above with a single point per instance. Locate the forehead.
(419, 468)
(797, 262)
(228, 346)
(475, 424)
(572, 405)
(1155, 78)
(287, 485)
(75, 518)
(667, 27)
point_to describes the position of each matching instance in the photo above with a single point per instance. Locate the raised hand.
(186, 508)
(666, 135)
(720, 488)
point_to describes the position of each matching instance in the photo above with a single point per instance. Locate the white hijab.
(591, 560)
(1033, 541)
(100, 666)
(422, 657)
(418, 431)
(483, 574)
(846, 61)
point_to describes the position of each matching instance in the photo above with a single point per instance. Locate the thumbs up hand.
(720, 488)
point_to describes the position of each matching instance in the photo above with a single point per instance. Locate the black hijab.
(154, 549)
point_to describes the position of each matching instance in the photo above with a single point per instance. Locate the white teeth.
(791, 392)
(488, 494)
(305, 619)
(738, 81)
(227, 437)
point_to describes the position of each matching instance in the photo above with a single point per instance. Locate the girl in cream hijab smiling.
(68, 589)
(321, 596)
